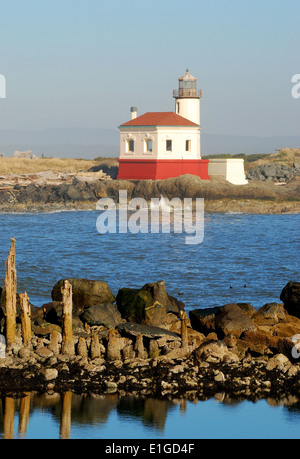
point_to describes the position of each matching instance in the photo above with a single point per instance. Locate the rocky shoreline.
(82, 193)
(143, 343)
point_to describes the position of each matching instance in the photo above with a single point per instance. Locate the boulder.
(86, 292)
(288, 328)
(214, 352)
(270, 314)
(203, 320)
(174, 305)
(290, 296)
(231, 319)
(106, 314)
(247, 308)
(278, 362)
(43, 328)
(259, 342)
(148, 305)
(53, 312)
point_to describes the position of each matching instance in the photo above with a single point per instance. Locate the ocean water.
(256, 255)
(243, 258)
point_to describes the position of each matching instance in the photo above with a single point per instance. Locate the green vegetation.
(246, 158)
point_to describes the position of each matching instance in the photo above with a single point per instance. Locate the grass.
(26, 166)
(246, 158)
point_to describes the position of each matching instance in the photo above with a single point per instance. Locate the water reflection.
(71, 410)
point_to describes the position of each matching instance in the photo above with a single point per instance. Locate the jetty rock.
(148, 331)
(86, 292)
(290, 296)
(149, 305)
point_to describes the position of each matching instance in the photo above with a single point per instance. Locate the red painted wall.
(143, 169)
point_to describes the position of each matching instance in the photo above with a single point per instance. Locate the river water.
(243, 258)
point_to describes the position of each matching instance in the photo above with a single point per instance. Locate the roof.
(187, 77)
(159, 119)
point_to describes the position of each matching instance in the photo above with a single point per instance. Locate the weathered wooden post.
(11, 295)
(25, 319)
(67, 342)
(9, 418)
(24, 414)
(65, 421)
(184, 333)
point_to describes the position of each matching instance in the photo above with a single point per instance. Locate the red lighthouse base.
(161, 169)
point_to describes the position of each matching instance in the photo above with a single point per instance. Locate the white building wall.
(179, 137)
(139, 136)
(231, 170)
(159, 135)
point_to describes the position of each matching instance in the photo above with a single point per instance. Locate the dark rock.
(272, 172)
(148, 331)
(290, 296)
(139, 306)
(174, 305)
(53, 312)
(231, 319)
(86, 293)
(203, 320)
(106, 314)
(148, 305)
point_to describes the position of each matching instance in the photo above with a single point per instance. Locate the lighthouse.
(187, 98)
(161, 145)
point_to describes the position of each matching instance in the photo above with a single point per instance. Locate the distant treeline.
(246, 158)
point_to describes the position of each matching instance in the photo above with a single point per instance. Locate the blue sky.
(76, 63)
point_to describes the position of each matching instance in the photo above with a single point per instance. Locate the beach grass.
(19, 166)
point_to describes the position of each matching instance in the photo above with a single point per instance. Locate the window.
(187, 145)
(169, 145)
(130, 145)
(148, 145)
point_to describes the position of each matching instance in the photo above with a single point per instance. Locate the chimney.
(133, 112)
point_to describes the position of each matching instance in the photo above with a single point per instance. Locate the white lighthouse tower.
(187, 98)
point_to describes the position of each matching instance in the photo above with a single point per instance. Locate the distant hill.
(91, 143)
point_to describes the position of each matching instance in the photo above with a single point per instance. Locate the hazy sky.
(84, 63)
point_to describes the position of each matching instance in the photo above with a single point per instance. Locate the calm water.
(109, 417)
(255, 254)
